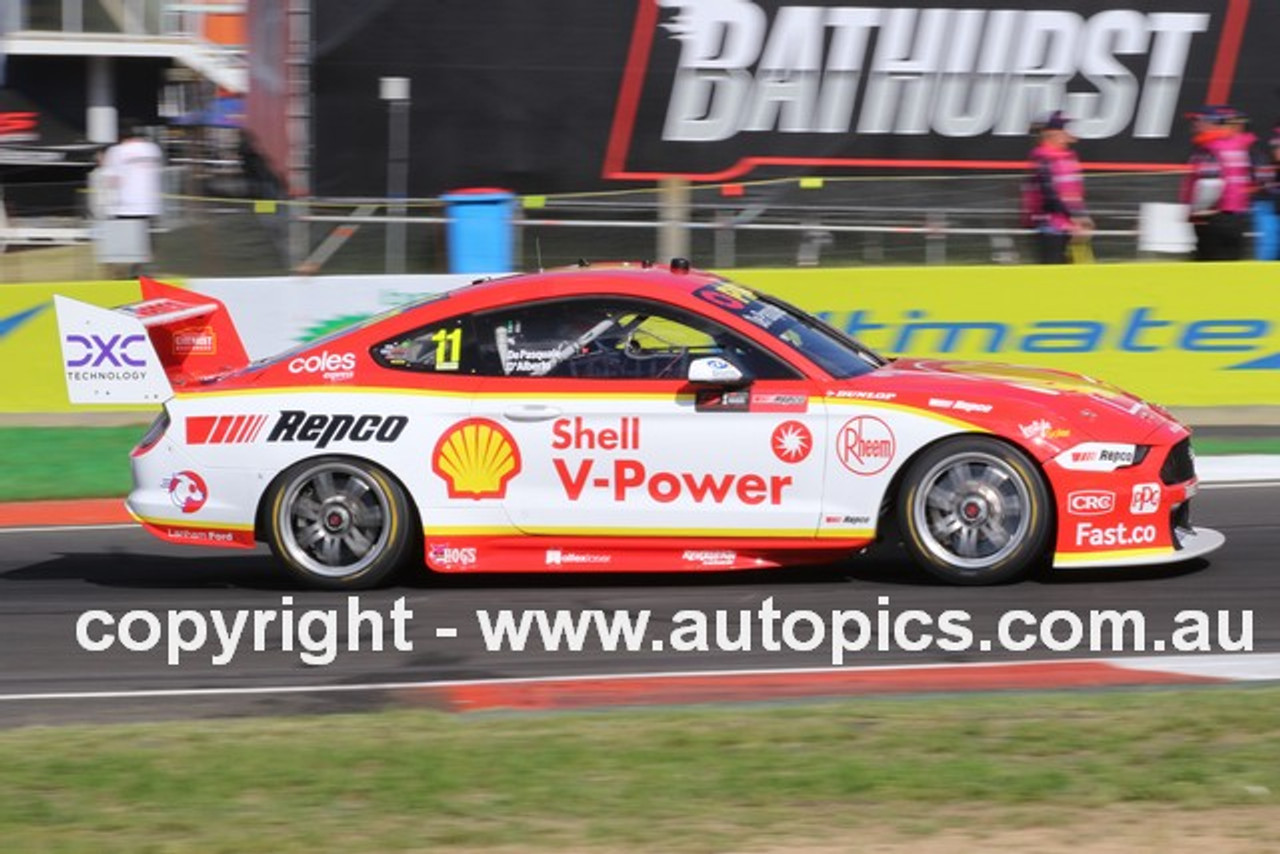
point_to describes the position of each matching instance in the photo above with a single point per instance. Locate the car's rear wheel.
(974, 510)
(339, 524)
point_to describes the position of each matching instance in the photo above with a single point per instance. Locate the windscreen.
(833, 351)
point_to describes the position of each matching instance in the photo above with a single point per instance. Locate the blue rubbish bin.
(479, 232)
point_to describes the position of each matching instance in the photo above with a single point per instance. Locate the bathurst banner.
(559, 95)
(715, 88)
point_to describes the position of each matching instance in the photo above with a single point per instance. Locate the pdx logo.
(96, 351)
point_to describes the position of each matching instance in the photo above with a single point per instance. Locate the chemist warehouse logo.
(878, 85)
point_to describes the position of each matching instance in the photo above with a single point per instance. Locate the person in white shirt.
(102, 189)
(135, 164)
(133, 168)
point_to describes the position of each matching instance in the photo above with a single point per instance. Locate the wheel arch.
(261, 512)
(889, 500)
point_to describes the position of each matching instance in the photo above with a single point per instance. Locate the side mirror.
(716, 371)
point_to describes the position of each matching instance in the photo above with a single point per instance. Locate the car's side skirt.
(470, 551)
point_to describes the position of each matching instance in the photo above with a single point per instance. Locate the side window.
(610, 339)
(444, 347)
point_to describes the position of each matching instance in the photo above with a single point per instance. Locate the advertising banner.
(32, 380)
(1153, 329)
(573, 95)
(1158, 330)
(715, 89)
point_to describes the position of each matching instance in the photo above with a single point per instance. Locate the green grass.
(93, 462)
(65, 462)
(696, 779)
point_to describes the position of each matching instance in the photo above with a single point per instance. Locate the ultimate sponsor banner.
(576, 94)
(1154, 329)
(33, 380)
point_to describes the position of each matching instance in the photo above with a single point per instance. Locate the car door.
(610, 438)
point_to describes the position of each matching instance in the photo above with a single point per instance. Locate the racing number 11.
(450, 340)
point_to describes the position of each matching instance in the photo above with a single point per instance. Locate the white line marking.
(1237, 668)
(446, 632)
(1242, 484)
(1250, 666)
(53, 529)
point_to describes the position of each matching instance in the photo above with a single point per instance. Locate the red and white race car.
(622, 418)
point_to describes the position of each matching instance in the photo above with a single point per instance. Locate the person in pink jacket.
(1053, 192)
(1219, 185)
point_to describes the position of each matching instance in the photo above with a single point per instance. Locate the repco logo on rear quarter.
(1091, 502)
(297, 426)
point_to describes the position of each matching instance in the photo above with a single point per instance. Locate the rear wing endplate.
(139, 353)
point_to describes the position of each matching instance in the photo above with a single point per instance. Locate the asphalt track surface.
(49, 578)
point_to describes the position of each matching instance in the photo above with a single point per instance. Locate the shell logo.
(476, 458)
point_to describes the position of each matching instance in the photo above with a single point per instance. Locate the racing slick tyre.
(339, 524)
(974, 510)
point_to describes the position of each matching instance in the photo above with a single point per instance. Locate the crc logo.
(1146, 499)
(1091, 502)
(865, 445)
(297, 426)
(95, 352)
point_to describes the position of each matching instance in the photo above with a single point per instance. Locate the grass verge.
(65, 462)
(93, 462)
(698, 779)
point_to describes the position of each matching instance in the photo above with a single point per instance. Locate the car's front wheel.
(339, 524)
(974, 510)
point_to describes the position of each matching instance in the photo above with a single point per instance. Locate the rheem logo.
(865, 445)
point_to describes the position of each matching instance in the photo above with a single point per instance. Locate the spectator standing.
(135, 164)
(1266, 201)
(1053, 193)
(1219, 184)
(134, 167)
(101, 189)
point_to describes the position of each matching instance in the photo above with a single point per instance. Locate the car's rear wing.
(141, 352)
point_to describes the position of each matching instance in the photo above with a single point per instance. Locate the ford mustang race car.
(622, 418)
